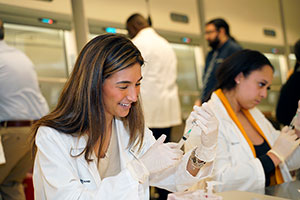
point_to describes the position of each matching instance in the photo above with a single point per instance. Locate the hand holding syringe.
(295, 123)
(202, 124)
(292, 124)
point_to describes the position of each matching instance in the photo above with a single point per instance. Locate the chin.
(123, 114)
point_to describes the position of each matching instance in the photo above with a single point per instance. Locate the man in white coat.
(21, 102)
(159, 91)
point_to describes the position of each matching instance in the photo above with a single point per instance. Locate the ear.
(222, 30)
(239, 78)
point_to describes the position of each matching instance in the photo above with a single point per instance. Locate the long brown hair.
(80, 108)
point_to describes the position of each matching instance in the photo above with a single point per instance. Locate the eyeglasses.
(210, 32)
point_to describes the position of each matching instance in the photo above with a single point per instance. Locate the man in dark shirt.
(289, 93)
(218, 36)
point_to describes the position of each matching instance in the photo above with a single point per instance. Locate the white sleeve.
(57, 177)
(177, 178)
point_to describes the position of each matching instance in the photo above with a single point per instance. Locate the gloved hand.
(285, 144)
(297, 120)
(161, 155)
(207, 130)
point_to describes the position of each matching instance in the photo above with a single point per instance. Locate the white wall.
(117, 11)
(247, 19)
(292, 20)
(59, 6)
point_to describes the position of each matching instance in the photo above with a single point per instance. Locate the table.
(242, 195)
(290, 190)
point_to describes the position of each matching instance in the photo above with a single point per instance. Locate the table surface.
(241, 195)
(289, 190)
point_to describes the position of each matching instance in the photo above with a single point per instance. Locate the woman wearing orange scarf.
(251, 154)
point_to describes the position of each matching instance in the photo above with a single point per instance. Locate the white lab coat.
(57, 175)
(159, 91)
(235, 165)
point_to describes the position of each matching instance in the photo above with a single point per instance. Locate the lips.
(257, 101)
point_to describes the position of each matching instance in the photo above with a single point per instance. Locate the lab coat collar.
(77, 148)
(123, 140)
(126, 152)
(144, 31)
(223, 116)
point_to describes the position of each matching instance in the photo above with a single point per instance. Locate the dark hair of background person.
(221, 23)
(297, 54)
(244, 61)
(1, 30)
(80, 108)
(135, 23)
(138, 19)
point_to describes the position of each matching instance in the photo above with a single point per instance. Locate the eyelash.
(125, 87)
(263, 84)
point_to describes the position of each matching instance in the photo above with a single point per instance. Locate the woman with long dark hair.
(94, 144)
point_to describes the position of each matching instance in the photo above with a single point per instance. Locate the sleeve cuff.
(138, 170)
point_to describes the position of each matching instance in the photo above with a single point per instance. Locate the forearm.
(194, 164)
(192, 170)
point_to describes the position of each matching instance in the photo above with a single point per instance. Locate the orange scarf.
(278, 176)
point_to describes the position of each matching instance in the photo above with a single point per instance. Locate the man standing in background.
(217, 34)
(159, 91)
(21, 102)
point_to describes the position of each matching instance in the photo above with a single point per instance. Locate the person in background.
(21, 102)
(159, 92)
(217, 34)
(251, 153)
(289, 95)
(95, 145)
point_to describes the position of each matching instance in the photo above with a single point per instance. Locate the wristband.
(196, 163)
(276, 154)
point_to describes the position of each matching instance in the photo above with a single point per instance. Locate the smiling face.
(120, 90)
(252, 89)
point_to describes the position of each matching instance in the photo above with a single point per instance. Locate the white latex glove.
(207, 130)
(285, 144)
(161, 155)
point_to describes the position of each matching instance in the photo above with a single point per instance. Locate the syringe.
(292, 124)
(186, 135)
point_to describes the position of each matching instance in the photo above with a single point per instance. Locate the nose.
(264, 93)
(133, 94)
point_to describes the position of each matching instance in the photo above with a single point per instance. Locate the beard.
(214, 43)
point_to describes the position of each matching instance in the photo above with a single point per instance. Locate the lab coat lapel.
(91, 166)
(223, 116)
(126, 153)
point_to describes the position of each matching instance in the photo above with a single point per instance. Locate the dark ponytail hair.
(244, 61)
